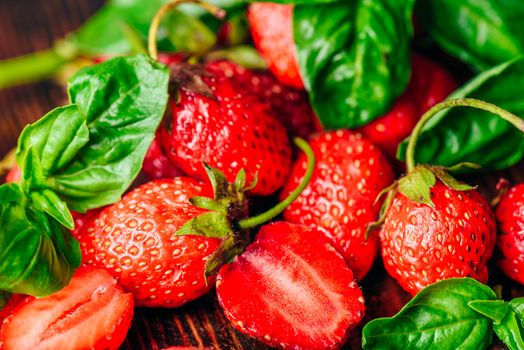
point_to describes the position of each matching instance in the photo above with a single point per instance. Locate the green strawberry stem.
(459, 102)
(271, 213)
(35, 66)
(155, 23)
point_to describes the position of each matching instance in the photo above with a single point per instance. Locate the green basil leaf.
(469, 135)
(123, 101)
(508, 323)
(481, 33)
(56, 138)
(438, 317)
(353, 57)
(38, 255)
(189, 34)
(117, 16)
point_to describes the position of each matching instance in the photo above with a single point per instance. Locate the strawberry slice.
(92, 312)
(291, 289)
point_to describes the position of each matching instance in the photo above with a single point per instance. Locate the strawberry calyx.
(417, 183)
(226, 216)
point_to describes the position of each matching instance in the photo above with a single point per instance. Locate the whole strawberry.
(435, 227)
(510, 219)
(291, 289)
(271, 27)
(340, 198)
(424, 243)
(289, 105)
(135, 240)
(213, 122)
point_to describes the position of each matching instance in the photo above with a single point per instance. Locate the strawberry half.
(349, 174)
(510, 218)
(291, 289)
(92, 312)
(271, 27)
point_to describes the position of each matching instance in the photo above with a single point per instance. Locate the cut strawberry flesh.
(92, 312)
(291, 289)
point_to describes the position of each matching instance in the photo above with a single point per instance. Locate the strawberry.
(289, 105)
(212, 122)
(291, 289)
(92, 312)
(156, 165)
(135, 240)
(271, 27)
(14, 175)
(453, 237)
(429, 84)
(433, 226)
(510, 218)
(349, 174)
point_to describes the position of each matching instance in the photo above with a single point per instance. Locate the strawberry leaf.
(417, 184)
(211, 224)
(448, 180)
(438, 317)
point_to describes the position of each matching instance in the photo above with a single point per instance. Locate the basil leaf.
(470, 135)
(508, 319)
(123, 101)
(353, 57)
(188, 34)
(117, 16)
(481, 33)
(38, 255)
(438, 317)
(56, 138)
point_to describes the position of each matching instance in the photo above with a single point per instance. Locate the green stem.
(459, 102)
(279, 208)
(155, 23)
(32, 67)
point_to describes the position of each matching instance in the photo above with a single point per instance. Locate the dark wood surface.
(29, 25)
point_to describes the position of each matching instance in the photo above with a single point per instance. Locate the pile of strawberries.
(295, 285)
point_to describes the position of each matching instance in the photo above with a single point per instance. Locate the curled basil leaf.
(353, 57)
(438, 317)
(38, 254)
(469, 135)
(481, 33)
(123, 101)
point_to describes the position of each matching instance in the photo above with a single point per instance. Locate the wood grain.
(28, 25)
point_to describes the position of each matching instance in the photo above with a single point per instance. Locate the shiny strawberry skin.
(229, 132)
(135, 240)
(289, 105)
(291, 289)
(156, 164)
(349, 174)
(422, 245)
(510, 219)
(92, 312)
(271, 27)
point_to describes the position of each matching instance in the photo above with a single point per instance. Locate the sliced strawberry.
(92, 312)
(291, 289)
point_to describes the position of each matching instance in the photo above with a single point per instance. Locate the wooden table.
(28, 25)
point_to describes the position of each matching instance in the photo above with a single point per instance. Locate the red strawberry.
(429, 84)
(226, 130)
(135, 240)
(92, 312)
(510, 218)
(289, 105)
(272, 31)
(422, 244)
(291, 289)
(12, 303)
(349, 174)
(14, 175)
(156, 165)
